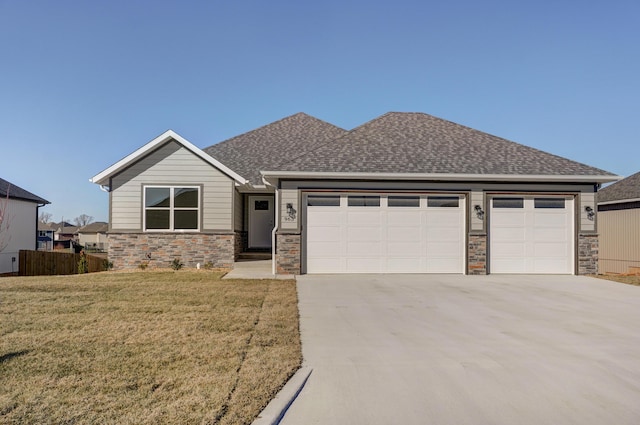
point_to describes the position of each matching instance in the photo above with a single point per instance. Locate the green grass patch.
(144, 348)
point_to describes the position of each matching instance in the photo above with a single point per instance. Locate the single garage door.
(531, 235)
(385, 234)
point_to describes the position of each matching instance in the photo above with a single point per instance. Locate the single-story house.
(619, 226)
(18, 224)
(93, 235)
(403, 193)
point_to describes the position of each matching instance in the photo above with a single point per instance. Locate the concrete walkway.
(437, 349)
(260, 269)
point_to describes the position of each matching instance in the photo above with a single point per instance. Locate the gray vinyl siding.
(619, 240)
(172, 165)
(587, 200)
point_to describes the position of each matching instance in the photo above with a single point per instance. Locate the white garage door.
(531, 235)
(385, 234)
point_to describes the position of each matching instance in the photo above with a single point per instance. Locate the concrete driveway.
(439, 349)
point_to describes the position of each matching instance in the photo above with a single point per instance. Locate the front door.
(261, 219)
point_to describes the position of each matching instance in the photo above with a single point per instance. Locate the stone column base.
(477, 254)
(288, 260)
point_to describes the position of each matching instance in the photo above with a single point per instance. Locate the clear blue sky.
(85, 83)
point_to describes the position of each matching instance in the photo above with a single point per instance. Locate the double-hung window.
(172, 208)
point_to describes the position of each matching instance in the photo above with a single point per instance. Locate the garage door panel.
(508, 217)
(363, 218)
(363, 265)
(379, 238)
(403, 218)
(363, 234)
(558, 221)
(443, 265)
(507, 250)
(364, 249)
(543, 249)
(549, 235)
(541, 243)
(324, 233)
(406, 249)
(322, 217)
(325, 264)
(403, 265)
(508, 234)
(403, 234)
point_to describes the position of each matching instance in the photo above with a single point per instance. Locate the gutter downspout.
(275, 225)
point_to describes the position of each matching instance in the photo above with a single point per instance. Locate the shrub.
(83, 264)
(143, 265)
(176, 264)
(107, 265)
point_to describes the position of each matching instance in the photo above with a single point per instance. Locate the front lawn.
(144, 348)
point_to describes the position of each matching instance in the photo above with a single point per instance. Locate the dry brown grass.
(144, 348)
(622, 278)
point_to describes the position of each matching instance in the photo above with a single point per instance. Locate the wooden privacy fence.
(47, 263)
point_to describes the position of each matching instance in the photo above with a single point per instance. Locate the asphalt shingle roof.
(399, 142)
(628, 188)
(271, 145)
(16, 192)
(97, 227)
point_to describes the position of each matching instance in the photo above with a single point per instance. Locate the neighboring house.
(619, 226)
(66, 232)
(18, 224)
(46, 233)
(94, 236)
(403, 193)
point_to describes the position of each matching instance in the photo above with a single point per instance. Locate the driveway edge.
(276, 409)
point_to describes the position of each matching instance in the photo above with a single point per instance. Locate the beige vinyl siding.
(238, 204)
(477, 198)
(619, 240)
(289, 196)
(587, 200)
(171, 164)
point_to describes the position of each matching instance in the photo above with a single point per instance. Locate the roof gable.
(103, 177)
(16, 192)
(399, 142)
(625, 190)
(273, 144)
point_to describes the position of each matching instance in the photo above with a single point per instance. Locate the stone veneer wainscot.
(588, 246)
(477, 260)
(158, 250)
(288, 253)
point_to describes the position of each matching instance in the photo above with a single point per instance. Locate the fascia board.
(271, 175)
(619, 201)
(102, 178)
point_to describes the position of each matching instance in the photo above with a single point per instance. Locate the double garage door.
(385, 234)
(347, 233)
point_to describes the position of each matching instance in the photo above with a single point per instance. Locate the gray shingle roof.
(399, 142)
(16, 192)
(97, 227)
(628, 188)
(266, 147)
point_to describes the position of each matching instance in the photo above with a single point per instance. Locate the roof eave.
(619, 201)
(275, 175)
(102, 178)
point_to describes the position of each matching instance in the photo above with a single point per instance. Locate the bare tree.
(45, 217)
(83, 220)
(5, 237)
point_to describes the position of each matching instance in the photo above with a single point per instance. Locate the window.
(508, 203)
(404, 201)
(323, 201)
(171, 208)
(548, 203)
(261, 206)
(443, 201)
(364, 201)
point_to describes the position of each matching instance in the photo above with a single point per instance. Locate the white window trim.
(171, 207)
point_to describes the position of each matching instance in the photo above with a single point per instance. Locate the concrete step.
(254, 256)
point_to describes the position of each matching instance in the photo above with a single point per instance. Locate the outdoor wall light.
(590, 212)
(291, 212)
(479, 212)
